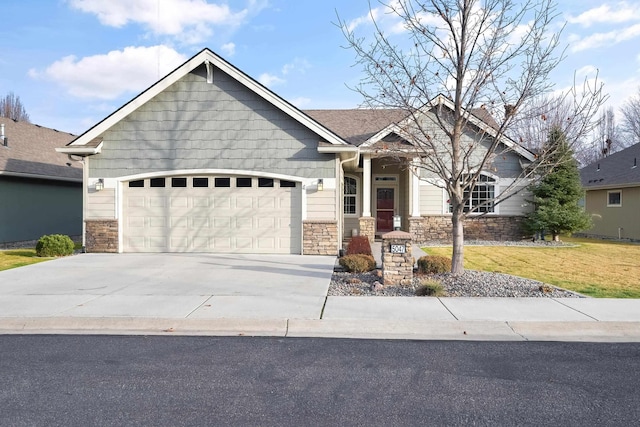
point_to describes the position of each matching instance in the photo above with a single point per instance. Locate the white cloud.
(228, 49)
(297, 65)
(621, 12)
(114, 74)
(604, 39)
(190, 21)
(270, 80)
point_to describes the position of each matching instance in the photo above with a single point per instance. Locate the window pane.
(350, 185)
(138, 183)
(287, 183)
(200, 182)
(222, 182)
(615, 198)
(243, 182)
(265, 182)
(350, 205)
(157, 182)
(178, 182)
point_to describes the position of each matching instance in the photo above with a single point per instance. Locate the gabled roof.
(357, 125)
(31, 153)
(209, 58)
(478, 117)
(621, 169)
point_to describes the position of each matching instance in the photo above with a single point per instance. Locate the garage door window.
(200, 182)
(265, 182)
(287, 184)
(157, 182)
(222, 182)
(136, 184)
(178, 182)
(243, 182)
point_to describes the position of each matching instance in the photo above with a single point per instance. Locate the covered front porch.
(376, 190)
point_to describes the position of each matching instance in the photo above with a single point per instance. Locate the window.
(614, 199)
(157, 182)
(200, 182)
(481, 196)
(265, 182)
(178, 182)
(288, 184)
(243, 182)
(139, 183)
(350, 195)
(223, 182)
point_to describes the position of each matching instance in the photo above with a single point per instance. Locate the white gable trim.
(200, 58)
(442, 100)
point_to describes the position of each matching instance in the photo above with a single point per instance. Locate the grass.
(19, 258)
(601, 269)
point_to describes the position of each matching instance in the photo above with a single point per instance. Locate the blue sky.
(73, 62)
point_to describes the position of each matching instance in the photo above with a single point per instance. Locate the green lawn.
(19, 258)
(601, 269)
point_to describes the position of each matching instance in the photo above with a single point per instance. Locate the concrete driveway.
(201, 286)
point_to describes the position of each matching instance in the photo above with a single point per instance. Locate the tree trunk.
(457, 259)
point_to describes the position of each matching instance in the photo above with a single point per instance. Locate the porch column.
(367, 223)
(415, 191)
(366, 185)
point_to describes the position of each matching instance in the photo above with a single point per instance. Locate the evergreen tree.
(556, 196)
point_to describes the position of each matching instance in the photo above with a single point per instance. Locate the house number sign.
(398, 249)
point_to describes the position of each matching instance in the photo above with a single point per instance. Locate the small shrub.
(54, 245)
(359, 245)
(434, 264)
(358, 263)
(430, 288)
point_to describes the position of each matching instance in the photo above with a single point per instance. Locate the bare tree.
(482, 60)
(11, 107)
(630, 125)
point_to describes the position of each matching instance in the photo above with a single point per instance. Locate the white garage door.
(212, 214)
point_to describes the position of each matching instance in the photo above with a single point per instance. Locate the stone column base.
(102, 236)
(367, 225)
(319, 237)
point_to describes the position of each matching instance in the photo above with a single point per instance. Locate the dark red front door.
(384, 209)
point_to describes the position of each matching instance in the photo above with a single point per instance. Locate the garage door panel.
(212, 219)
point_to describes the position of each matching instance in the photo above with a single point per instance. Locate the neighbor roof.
(31, 152)
(619, 169)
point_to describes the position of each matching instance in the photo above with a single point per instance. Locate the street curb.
(343, 328)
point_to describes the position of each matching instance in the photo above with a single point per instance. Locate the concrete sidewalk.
(190, 294)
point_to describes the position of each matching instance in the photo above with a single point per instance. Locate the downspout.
(83, 161)
(340, 187)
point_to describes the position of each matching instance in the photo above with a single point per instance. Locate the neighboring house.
(209, 160)
(41, 190)
(612, 197)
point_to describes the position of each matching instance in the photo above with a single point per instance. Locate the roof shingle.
(31, 150)
(618, 169)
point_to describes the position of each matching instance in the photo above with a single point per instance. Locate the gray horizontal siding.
(195, 125)
(33, 208)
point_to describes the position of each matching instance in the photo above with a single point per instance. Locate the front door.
(384, 209)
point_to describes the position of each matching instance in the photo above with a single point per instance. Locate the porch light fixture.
(100, 184)
(320, 184)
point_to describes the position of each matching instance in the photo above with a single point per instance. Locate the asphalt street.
(82, 380)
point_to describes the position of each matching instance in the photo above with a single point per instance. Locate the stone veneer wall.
(367, 227)
(101, 236)
(319, 237)
(426, 228)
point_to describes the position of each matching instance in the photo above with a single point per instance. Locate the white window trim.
(357, 196)
(496, 191)
(619, 205)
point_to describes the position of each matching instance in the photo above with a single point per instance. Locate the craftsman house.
(209, 160)
(41, 189)
(612, 195)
